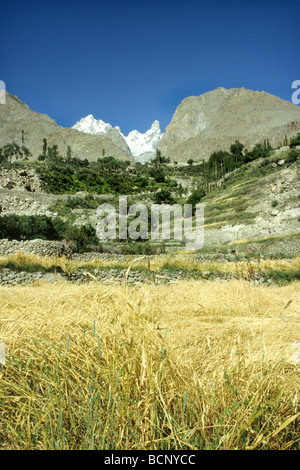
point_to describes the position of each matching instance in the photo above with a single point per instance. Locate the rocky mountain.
(214, 120)
(200, 126)
(16, 116)
(142, 146)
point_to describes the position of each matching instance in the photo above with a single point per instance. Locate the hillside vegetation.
(232, 185)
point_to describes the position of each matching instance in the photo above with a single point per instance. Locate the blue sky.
(131, 62)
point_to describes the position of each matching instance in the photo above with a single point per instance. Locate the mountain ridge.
(214, 120)
(200, 126)
(16, 116)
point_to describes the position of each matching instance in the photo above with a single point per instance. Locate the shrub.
(292, 156)
(20, 227)
(163, 197)
(84, 236)
(295, 140)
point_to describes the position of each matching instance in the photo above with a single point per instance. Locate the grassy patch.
(283, 277)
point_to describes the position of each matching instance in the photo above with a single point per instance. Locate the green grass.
(283, 277)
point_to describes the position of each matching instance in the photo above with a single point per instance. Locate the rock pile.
(23, 179)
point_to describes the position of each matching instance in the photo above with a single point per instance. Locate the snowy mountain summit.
(142, 146)
(90, 125)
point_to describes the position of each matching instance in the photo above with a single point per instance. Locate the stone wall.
(37, 247)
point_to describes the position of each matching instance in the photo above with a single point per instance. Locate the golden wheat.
(187, 365)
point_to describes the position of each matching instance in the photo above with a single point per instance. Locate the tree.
(2, 157)
(158, 156)
(69, 154)
(8, 151)
(45, 144)
(17, 151)
(190, 162)
(159, 160)
(23, 137)
(159, 176)
(26, 152)
(196, 197)
(237, 149)
(52, 153)
(293, 155)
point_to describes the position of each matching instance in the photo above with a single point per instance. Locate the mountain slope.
(16, 116)
(214, 120)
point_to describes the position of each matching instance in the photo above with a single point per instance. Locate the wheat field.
(188, 365)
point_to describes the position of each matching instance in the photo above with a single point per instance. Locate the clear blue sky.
(131, 62)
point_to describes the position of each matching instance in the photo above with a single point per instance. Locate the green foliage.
(293, 156)
(237, 149)
(107, 175)
(258, 151)
(163, 197)
(295, 140)
(283, 277)
(158, 175)
(159, 159)
(142, 248)
(196, 196)
(13, 150)
(83, 236)
(20, 227)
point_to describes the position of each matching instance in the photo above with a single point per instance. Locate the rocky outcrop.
(214, 120)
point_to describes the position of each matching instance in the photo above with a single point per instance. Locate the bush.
(20, 227)
(163, 197)
(84, 236)
(295, 140)
(24, 227)
(292, 156)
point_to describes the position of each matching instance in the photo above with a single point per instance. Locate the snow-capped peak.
(142, 146)
(90, 125)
